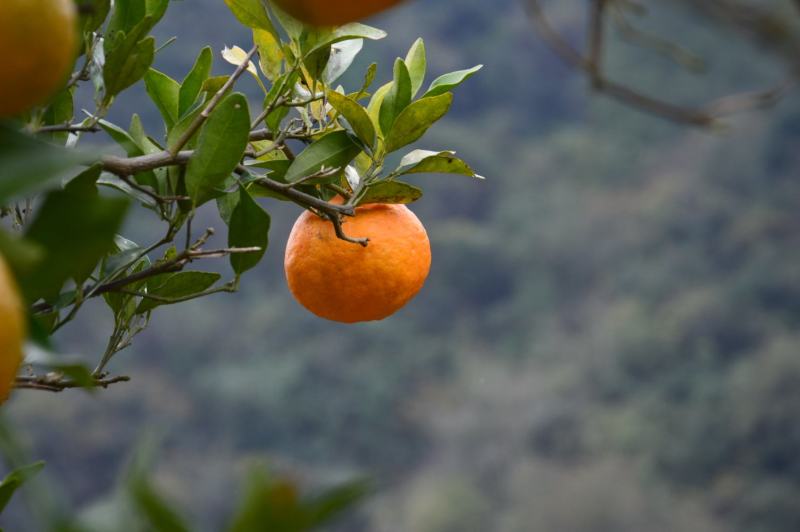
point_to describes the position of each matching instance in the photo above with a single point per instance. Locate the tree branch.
(202, 117)
(705, 116)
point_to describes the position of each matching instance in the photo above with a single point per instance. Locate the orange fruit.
(349, 283)
(333, 12)
(37, 46)
(12, 330)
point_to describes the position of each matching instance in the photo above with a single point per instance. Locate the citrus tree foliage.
(306, 140)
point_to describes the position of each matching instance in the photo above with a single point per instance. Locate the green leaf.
(21, 255)
(397, 98)
(334, 150)
(176, 287)
(183, 125)
(323, 508)
(94, 14)
(269, 505)
(30, 164)
(156, 511)
(390, 192)
(249, 227)
(127, 61)
(375, 103)
(193, 83)
(416, 119)
(270, 54)
(15, 479)
(130, 13)
(59, 111)
(252, 14)
(447, 82)
(220, 147)
(163, 90)
(431, 162)
(75, 227)
(417, 65)
(355, 115)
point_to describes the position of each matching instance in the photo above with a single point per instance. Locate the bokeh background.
(608, 340)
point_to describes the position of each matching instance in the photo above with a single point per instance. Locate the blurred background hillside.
(608, 341)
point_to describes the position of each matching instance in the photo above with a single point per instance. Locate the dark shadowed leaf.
(249, 227)
(171, 288)
(390, 192)
(75, 227)
(30, 164)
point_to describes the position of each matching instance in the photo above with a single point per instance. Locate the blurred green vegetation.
(608, 341)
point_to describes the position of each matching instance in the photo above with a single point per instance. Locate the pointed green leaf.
(193, 83)
(416, 119)
(355, 115)
(252, 14)
(334, 150)
(390, 192)
(417, 65)
(176, 287)
(375, 103)
(75, 227)
(163, 90)
(15, 479)
(398, 97)
(220, 147)
(31, 164)
(249, 227)
(447, 82)
(156, 511)
(431, 162)
(127, 61)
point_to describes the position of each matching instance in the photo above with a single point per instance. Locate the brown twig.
(203, 116)
(704, 116)
(55, 382)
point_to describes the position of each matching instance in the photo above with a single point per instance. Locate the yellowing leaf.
(236, 56)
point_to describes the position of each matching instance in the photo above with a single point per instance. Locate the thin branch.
(57, 382)
(70, 128)
(202, 117)
(702, 116)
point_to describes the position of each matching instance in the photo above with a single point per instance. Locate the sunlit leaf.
(447, 82)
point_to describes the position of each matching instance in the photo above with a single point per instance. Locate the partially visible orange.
(37, 47)
(333, 12)
(349, 283)
(12, 330)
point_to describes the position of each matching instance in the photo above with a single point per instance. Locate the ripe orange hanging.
(333, 12)
(12, 330)
(345, 282)
(37, 47)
